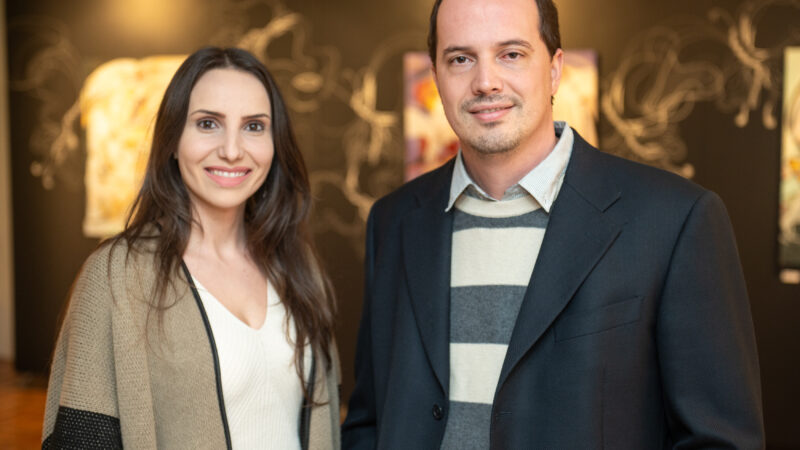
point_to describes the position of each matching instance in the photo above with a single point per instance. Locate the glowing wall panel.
(118, 105)
(789, 237)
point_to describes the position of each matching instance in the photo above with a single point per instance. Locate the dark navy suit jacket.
(635, 330)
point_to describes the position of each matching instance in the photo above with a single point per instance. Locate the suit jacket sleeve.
(359, 428)
(706, 343)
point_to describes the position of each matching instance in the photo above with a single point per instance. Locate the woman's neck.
(217, 233)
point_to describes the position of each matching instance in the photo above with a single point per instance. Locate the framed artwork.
(118, 105)
(789, 209)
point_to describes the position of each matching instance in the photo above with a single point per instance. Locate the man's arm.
(705, 338)
(359, 428)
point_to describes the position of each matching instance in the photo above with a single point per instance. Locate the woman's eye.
(254, 126)
(206, 124)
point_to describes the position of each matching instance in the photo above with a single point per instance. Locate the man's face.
(494, 74)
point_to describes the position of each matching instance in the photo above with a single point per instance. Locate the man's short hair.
(548, 27)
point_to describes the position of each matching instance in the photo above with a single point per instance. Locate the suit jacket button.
(438, 413)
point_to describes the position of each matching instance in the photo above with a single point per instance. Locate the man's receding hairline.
(549, 32)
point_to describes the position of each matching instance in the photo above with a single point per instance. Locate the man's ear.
(435, 78)
(556, 67)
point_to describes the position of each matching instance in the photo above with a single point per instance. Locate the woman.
(206, 323)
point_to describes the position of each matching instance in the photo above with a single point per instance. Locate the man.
(537, 293)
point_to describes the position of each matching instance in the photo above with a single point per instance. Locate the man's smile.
(490, 112)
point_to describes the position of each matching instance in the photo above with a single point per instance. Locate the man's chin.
(489, 148)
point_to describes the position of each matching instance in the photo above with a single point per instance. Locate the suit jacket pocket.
(597, 320)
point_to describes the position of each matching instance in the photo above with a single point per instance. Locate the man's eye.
(513, 55)
(460, 59)
(206, 124)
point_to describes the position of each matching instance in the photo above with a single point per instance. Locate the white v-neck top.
(262, 391)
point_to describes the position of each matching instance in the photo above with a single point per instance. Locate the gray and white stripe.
(495, 245)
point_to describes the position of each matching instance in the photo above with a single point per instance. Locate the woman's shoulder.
(117, 254)
(109, 268)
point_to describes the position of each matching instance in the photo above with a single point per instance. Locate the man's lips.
(489, 107)
(489, 113)
(227, 176)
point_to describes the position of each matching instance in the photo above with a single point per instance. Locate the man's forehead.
(463, 23)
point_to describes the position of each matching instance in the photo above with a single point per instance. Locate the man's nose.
(487, 79)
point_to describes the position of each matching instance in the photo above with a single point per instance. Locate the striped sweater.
(494, 249)
(495, 245)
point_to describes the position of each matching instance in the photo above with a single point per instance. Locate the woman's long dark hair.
(275, 216)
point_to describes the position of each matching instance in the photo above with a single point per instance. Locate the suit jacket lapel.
(578, 235)
(427, 241)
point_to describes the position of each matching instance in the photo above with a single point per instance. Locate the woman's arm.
(82, 410)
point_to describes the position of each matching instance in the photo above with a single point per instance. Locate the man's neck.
(495, 173)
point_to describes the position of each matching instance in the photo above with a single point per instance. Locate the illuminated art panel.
(429, 139)
(789, 238)
(118, 105)
(577, 99)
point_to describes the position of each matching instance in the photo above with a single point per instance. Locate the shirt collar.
(543, 182)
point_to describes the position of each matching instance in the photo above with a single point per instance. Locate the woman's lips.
(228, 177)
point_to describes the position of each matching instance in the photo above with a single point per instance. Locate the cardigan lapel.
(427, 239)
(578, 235)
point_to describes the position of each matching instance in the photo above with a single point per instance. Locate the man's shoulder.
(633, 177)
(433, 186)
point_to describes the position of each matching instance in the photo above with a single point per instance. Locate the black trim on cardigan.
(305, 411)
(217, 374)
(80, 429)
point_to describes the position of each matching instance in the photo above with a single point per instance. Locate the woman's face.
(226, 147)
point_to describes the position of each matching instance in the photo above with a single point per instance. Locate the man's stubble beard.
(489, 141)
(494, 143)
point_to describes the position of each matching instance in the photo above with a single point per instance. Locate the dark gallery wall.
(702, 78)
(6, 260)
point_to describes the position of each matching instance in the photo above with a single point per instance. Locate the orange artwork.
(118, 105)
(789, 220)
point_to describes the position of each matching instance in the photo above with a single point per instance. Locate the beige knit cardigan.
(118, 378)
